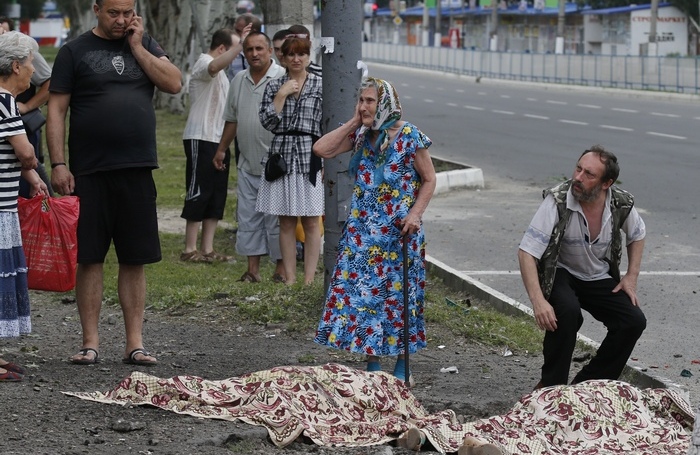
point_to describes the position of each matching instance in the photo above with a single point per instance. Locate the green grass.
(178, 287)
(49, 53)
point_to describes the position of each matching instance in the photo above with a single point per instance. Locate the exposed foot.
(86, 356)
(472, 446)
(140, 356)
(413, 439)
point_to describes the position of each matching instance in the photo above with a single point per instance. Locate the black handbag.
(33, 120)
(275, 167)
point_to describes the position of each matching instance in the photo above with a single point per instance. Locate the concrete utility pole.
(425, 26)
(438, 21)
(493, 42)
(653, 50)
(561, 20)
(341, 25)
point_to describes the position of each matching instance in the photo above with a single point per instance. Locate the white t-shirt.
(207, 100)
(579, 255)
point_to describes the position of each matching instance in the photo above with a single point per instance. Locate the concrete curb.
(469, 177)
(634, 373)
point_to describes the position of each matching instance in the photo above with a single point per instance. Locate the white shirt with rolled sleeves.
(579, 255)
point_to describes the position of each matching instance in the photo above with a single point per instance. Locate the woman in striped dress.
(16, 158)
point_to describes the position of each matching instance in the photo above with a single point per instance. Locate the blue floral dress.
(363, 312)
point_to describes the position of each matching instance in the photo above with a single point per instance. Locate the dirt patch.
(207, 341)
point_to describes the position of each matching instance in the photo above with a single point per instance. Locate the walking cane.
(405, 308)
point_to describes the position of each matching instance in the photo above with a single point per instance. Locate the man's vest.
(621, 204)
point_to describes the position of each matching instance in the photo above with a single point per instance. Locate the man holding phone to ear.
(106, 78)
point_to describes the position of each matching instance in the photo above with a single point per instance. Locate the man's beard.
(586, 196)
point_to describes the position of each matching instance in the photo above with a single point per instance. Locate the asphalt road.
(527, 137)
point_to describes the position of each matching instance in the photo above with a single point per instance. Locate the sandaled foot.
(213, 256)
(195, 257)
(13, 367)
(249, 278)
(413, 439)
(86, 356)
(277, 278)
(140, 356)
(9, 376)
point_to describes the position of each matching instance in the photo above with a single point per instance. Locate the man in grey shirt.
(258, 233)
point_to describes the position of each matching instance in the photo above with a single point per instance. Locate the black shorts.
(206, 186)
(118, 206)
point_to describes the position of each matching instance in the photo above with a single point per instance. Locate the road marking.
(573, 122)
(619, 109)
(505, 96)
(661, 114)
(452, 104)
(670, 136)
(496, 111)
(427, 100)
(531, 99)
(538, 117)
(473, 108)
(460, 90)
(589, 106)
(618, 128)
(408, 97)
(697, 118)
(557, 102)
(516, 272)
(482, 93)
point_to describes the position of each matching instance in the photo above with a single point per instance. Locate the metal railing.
(667, 74)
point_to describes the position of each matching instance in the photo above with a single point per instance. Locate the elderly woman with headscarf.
(16, 158)
(394, 181)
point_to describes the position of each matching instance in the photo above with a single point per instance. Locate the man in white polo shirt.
(570, 260)
(258, 233)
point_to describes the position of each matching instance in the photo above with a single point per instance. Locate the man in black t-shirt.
(106, 78)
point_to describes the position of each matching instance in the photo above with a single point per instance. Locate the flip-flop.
(132, 360)
(277, 278)
(84, 352)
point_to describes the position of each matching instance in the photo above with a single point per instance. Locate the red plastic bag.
(50, 239)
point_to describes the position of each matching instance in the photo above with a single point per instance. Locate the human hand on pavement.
(628, 283)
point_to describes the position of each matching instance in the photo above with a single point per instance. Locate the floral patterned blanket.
(335, 405)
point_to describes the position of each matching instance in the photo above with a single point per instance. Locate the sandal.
(277, 278)
(249, 278)
(89, 361)
(132, 360)
(10, 376)
(196, 257)
(217, 257)
(13, 367)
